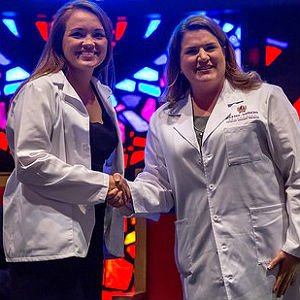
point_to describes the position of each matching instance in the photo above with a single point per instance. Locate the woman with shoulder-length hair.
(64, 137)
(224, 152)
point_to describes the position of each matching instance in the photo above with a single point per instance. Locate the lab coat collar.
(65, 86)
(183, 113)
(70, 95)
(182, 116)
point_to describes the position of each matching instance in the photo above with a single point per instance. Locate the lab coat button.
(212, 187)
(224, 248)
(230, 277)
(217, 219)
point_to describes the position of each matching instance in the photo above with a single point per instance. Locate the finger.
(122, 185)
(127, 192)
(286, 273)
(284, 284)
(293, 279)
(117, 177)
(112, 193)
(277, 283)
(117, 201)
(112, 183)
(274, 261)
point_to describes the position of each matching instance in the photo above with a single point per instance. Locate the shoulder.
(262, 95)
(161, 112)
(168, 108)
(267, 88)
(44, 83)
(38, 91)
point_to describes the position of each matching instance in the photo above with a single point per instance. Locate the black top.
(103, 141)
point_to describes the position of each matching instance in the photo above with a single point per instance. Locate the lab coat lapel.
(182, 115)
(70, 95)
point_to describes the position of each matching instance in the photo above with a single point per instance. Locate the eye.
(191, 51)
(99, 35)
(210, 48)
(77, 34)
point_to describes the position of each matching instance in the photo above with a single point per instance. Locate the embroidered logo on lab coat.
(240, 112)
(241, 109)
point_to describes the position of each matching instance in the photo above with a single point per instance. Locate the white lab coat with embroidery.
(50, 196)
(234, 216)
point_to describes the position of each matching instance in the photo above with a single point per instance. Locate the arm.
(285, 136)
(151, 191)
(31, 123)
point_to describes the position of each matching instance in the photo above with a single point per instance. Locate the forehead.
(197, 37)
(83, 18)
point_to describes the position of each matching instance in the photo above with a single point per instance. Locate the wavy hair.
(52, 59)
(177, 82)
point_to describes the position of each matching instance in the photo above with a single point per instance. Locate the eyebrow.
(83, 29)
(192, 47)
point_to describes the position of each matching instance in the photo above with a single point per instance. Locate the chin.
(206, 79)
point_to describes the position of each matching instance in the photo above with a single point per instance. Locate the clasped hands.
(118, 192)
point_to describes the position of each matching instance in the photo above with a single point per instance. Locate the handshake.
(118, 192)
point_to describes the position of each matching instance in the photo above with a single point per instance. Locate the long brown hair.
(177, 82)
(52, 59)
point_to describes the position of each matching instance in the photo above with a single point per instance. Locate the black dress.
(71, 278)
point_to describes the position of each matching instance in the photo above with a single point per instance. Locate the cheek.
(186, 64)
(65, 48)
(103, 51)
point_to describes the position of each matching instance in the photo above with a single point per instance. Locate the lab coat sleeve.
(285, 136)
(31, 119)
(151, 190)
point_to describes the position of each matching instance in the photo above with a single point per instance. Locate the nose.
(202, 55)
(88, 42)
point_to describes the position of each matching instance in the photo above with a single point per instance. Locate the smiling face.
(202, 59)
(84, 42)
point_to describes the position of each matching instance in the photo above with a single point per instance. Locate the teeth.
(203, 68)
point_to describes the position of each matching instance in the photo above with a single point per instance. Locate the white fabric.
(235, 217)
(50, 196)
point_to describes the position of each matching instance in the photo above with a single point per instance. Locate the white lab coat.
(234, 216)
(50, 196)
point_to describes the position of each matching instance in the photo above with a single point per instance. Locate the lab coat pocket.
(242, 144)
(183, 247)
(269, 227)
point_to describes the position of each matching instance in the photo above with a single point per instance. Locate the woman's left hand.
(287, 269)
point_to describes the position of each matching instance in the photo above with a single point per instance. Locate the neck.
(204, 100)
(78, 77)
(82, 85)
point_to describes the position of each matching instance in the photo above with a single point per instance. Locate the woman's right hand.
(119, 193)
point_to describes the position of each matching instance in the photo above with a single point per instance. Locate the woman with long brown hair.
(64, 137)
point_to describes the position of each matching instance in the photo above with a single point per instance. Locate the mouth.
(204, 68)
(87, 54)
